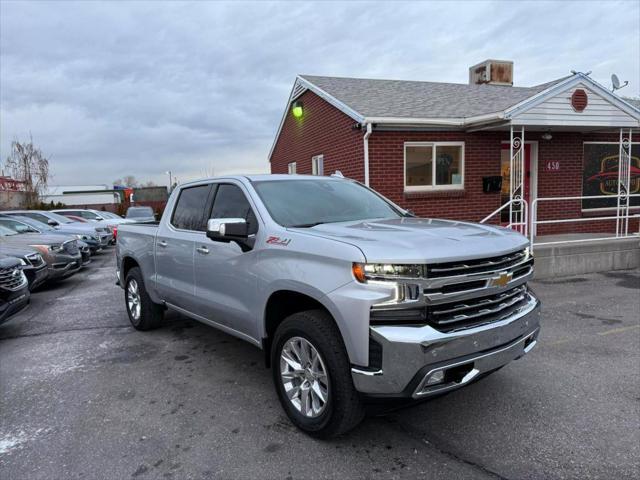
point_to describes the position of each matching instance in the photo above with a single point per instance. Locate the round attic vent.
(579, 100)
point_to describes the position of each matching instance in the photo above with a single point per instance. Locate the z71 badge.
(283, 242)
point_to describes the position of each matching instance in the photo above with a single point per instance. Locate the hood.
(8, 262)
(421, 240)
(35, 239)
(16, 251)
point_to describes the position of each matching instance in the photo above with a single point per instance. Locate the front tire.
(143, 313)
(312, 375)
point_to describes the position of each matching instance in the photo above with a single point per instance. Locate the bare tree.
(148, 184)
(26, 163)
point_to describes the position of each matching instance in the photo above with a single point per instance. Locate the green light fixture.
(296, 109)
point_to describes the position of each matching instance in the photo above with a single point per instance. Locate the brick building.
(463, 151)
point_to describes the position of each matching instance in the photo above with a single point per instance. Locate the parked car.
(92, 240)
(140, 214)
(97, 216)
(350, 296)
(61, 253)
(31, 263)
(63, 223)
(14, 288)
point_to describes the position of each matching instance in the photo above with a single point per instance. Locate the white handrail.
(624, 216)
(524, 224)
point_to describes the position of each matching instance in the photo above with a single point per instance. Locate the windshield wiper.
(306, 225)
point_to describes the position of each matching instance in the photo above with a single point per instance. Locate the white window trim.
(291, 168)
(319, 160)
(433, 188)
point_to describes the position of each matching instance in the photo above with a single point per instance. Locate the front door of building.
(505, 171)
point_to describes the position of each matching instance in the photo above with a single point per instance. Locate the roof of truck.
(265, 177)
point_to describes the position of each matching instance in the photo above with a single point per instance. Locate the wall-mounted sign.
(552, 166)
(579, 100)
(600, 174)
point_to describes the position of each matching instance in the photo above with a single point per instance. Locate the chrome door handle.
(203, 250)
(162, 243)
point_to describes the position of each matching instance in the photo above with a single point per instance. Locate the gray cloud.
(110, 89)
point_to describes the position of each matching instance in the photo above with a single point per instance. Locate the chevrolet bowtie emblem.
(501, 280)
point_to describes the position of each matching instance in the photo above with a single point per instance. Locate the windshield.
(35, 224)
(138, 212)
(305, 203)
(59, 218)
(6, 232)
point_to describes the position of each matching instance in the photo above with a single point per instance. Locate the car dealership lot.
(82, 394)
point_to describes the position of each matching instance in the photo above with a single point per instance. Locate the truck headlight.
(382, 271)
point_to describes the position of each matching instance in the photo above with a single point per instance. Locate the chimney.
(492, 72)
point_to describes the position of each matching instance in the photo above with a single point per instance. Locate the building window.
(600, 163)
(292, 168)
(317, 165)
(433, 166)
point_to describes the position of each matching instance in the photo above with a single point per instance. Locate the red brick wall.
(567, 148)
(324, 130)
(482, 158)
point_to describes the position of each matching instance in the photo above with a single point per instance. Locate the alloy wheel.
(304, 377)
(133, 299)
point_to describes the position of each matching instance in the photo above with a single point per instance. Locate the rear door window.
(189, 213)
(231, 202)
(36, 216)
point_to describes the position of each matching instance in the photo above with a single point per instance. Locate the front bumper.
(64, 266)
(411, 355)
(13, 303)
(36, 276)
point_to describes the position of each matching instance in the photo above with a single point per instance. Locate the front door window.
(505, 171)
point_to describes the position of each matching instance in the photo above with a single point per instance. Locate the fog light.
(436, 377)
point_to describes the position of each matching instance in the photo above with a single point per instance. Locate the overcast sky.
(113, 89)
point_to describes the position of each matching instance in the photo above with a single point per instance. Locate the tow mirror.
(227, 229)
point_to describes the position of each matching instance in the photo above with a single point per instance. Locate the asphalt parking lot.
(83, 395)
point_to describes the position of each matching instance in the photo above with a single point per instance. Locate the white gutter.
(447, 122)
(366, 152)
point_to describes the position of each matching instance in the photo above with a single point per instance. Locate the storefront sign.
(600, 174)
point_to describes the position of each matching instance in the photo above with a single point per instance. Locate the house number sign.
(552, 166)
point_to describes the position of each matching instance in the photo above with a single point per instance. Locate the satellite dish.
(615, 83)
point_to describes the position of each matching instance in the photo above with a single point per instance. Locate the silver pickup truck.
(351, 297)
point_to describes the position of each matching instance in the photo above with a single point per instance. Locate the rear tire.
(143, 313)
(310, 340)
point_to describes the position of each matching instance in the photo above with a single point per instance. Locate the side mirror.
(52, 223)
(227, 229)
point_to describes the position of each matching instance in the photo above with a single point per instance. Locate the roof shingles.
(411, 99)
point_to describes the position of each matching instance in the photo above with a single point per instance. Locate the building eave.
(297, 92)
(540, 97)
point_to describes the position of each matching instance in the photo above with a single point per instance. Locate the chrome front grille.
(12, 278)
(71, 247)
(482, 265)
(476, 311)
